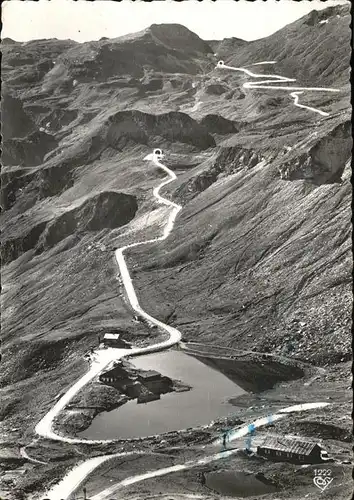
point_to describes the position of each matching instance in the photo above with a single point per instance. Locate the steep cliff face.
(15, 122)
(128, 126)
(324, 161)
(29, 151)
(227, 161)
(106, 210)
(218, 125)
(331, 154)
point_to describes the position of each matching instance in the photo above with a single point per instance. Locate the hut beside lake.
(283, 449)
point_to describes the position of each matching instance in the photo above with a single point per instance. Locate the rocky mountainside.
(304, 49)
(260, 256)
(222, 48)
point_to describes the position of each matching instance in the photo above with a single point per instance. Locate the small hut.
(282, 449)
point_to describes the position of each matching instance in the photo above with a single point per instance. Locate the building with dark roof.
(119, 378)
(282, 449)
(154, 381)
(118, 372)
(149, 375)
(133, 383)
(115, 340)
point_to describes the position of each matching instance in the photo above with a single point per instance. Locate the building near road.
(118, 378)
(154, 381)
(282, 449)
(117, 374)
(115, 340)
(146, 385)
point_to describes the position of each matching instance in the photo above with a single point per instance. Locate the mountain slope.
(254, 256)
(304, 49)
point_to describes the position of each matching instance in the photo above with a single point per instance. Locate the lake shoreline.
(84, 421)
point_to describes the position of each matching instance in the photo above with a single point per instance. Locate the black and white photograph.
(176, 250)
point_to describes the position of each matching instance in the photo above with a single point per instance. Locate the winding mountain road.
(104, 358)
(261, 63)
(77, 476)
(265, 84)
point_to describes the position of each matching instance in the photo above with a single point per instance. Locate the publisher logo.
(323, 478)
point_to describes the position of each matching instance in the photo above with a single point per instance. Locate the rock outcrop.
(28, 151)
(106, 210)
(15, 122)
(226, 46)
(126, 127)
(226, 162)
(216, 124)
(324, 162)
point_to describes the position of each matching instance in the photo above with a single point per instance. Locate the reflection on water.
(206, 401)
(238, 484)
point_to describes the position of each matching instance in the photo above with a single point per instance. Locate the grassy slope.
(244, 277)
